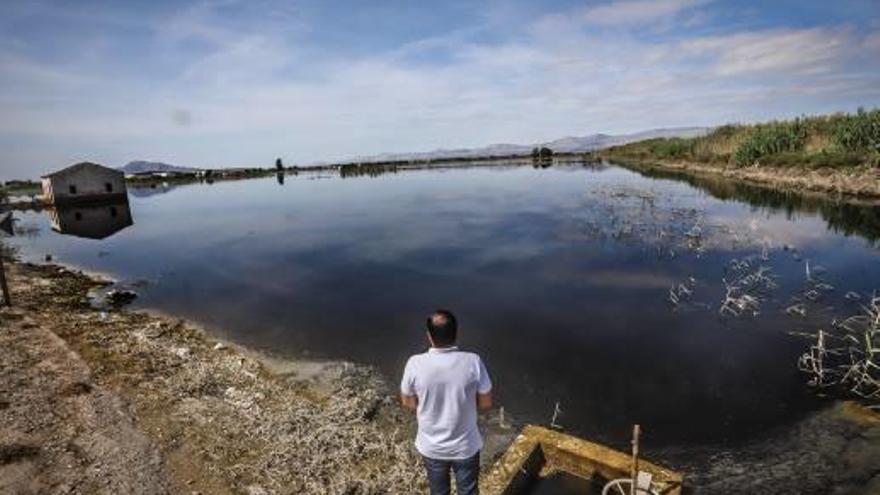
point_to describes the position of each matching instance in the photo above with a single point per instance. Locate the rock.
(256, 490)
(181, 352)
(219, 346)
(48, 258)
(121, 297)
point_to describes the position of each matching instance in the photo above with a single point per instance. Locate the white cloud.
(634, 12)
(803, 51)
(249, 91)
(872, 43)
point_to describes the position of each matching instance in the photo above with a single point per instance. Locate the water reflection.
(6, 223)
(366, 169)
(91, 222)
(843, 217)
(560, 276)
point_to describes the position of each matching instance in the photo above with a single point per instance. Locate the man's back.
(446, 382)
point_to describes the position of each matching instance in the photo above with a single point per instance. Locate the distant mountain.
(564, 145)
(140, 167)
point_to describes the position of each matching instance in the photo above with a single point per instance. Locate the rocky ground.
(121, 402)
(835, 451)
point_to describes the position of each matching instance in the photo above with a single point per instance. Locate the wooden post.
(635, 464)
(3, 284)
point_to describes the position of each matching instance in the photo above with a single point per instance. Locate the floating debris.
(853, 296)
(797, 309)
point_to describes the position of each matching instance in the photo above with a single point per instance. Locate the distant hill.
(140, 167)
(564, 145)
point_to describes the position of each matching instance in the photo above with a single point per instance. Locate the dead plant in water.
(846, 358)
(747, 287)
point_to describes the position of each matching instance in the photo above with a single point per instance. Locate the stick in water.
(635, 465)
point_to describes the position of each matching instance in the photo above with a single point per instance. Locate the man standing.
(445, 387)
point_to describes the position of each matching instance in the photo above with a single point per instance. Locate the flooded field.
(619, 297)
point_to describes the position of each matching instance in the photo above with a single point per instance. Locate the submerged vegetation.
(836, 141)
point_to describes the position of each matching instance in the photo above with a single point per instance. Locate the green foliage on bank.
(859, 132)
(771, 139)
(834, 141)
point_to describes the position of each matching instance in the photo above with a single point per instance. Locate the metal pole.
(3, 284)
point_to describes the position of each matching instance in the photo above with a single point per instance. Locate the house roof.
(79, 166)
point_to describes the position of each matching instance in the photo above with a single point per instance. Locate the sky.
(224, 83)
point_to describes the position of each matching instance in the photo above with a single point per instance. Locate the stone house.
(84, 183)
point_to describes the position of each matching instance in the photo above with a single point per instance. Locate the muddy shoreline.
(119, 401)
(125, 402)
(857, 185)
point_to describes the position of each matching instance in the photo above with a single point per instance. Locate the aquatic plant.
(846, 358)
(748, 287)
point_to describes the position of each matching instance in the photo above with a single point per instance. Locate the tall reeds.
(771, 139)
(836, 141)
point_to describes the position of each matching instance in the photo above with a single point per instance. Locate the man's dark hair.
(443, 327)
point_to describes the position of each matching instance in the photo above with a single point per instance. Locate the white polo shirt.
(446, 382)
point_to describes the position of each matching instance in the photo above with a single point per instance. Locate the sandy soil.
(857, 183)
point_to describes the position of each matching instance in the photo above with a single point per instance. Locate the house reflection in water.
(95, 221)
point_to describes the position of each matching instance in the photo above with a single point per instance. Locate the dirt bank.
(123, 402)
(855, 183)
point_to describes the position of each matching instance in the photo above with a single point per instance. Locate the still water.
(560, 277)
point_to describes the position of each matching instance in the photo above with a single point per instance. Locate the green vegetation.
(769, 140)
(832, 141)
(859, 132)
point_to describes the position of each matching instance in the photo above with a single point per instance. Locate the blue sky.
(239, 82)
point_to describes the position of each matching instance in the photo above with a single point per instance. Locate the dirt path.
(60, 432)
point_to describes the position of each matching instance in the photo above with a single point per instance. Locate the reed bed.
(825, 141)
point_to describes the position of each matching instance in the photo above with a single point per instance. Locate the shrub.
(672, 148)
(770, 139)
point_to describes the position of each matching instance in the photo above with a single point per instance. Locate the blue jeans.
(467, 474)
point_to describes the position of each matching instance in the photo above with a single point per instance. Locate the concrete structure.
(539, 453)
(84, 183)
